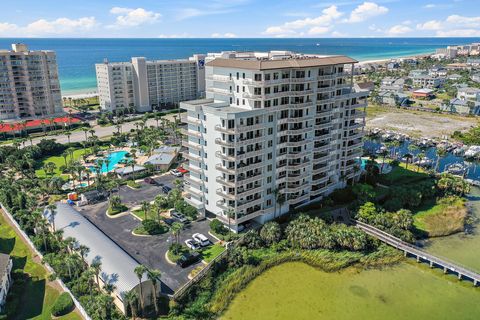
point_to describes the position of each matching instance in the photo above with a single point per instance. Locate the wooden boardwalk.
(421, 256)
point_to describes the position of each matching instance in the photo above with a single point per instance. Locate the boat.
(456, 168)
(472, 152)
(426, 162)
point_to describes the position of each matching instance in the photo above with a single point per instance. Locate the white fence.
(49, 268)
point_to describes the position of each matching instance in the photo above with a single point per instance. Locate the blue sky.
(240, 18)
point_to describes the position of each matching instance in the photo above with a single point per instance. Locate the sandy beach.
(81, 94)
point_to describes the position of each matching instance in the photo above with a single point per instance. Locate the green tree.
(140, 270)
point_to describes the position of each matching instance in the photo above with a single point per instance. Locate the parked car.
(192, 244)
(188, 259)
(182, 170)
(176, 173)
(169, 221)
(150, 181)
(178, 216)
(201, 239)
(166, 189)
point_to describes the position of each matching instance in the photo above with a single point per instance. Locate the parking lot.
(147, 192)
(149, 251)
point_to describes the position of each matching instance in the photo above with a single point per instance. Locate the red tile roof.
(17, 126)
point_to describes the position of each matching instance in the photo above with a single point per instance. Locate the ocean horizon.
(77, 56)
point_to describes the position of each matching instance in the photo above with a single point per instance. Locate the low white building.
(468, 93)
(426, 81)
(5, 278)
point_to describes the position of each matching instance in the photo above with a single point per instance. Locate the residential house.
(476, 77)
(393, 65)
(474, 62)
(437, 71)
(93, 196)
(391, 84)
(454, 77)
(462, 107)
(426, 81)
(468, 93)
(423, 93)
(5, 278)
(417, 73)
(161, 161)
(366, 86)
(392, 98)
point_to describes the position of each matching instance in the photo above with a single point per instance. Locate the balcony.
(248, 154)
(229, 170)
(219, 91)
(219, 78)
(221, 204)
(323, 125)
(193, 180)
(243, 179)
(194, 191)
(194, 203)
(223, 156)
(225, 182)
(190, 144)
(294, 188)
(326, 76)
(256, 165)
(299, 199)
(300, 105)
(192, 168)
(192, 157)
(325, 89)
(247, 192)
(255, 139)
(191, 120)
(225, 143)
(243, 205)
(192, 133)
(219, 128)
(301, 92)
(245, 128)
(296, 166)
(225, 194)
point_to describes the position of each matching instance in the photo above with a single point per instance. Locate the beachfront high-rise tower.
(29, 85)
(276, 131)
(149, 85)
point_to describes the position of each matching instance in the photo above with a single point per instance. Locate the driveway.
(147, 192)
(149, 251)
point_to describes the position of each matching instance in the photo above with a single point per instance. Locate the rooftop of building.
(160, 159)
(117, 266)
(273, 60)
(424, 91)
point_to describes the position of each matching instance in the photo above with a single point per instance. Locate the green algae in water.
(406, 291)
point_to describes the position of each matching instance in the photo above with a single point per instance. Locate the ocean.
(77, 57)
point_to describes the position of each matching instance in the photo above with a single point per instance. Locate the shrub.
(63, 305)
(151, 227)
(342, 196)
(217, 227)
(133, 184)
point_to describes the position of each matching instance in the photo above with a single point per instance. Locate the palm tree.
(65, 156)
(52, 208)
(145, 207)
(441, 152)
(83, 251)
(68, 134)
(140, 271)
(229, 213)
(159, 203)
(96, 266)
(132, 163)
(154, 277)
(176, 228)
(131, 298)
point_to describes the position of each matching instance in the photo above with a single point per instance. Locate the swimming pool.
(113, 159)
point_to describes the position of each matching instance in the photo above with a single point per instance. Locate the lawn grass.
(174, 257)
(30, 296)
(141, 214)
(402, 175)
(59, 161)
(210, 253)
(441, 218)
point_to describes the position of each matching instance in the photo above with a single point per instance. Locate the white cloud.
(459, 33)
(129, 17)
(453, 26)
(398, 30)
(319, 30)
(430, 25)
(430, 6)
(366, 11)
(224, 35)
(327, 19)
(43, 27)
(473, 22)
(172, 36)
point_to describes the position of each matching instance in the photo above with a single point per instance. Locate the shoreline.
(92, 92)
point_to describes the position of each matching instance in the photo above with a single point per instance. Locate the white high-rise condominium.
(29, 86)
(149, 85)
(277, 130)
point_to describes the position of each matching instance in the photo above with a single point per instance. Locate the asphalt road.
(149, 251)
(134, 197)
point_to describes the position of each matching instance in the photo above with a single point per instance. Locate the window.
(257, 104)
(270, 131)
(270, 143)
(243, 75)
(269, 179)
(258, 77)
(238, 75)
(238, 102)
(270, 118)
(243, 88)
(267, 104)
(267, 76)
(269, 156)
(243, 101)
(269, 167)
(231, 100)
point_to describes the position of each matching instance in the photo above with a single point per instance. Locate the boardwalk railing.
(421, 255)
(29, 242)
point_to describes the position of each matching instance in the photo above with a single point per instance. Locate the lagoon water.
(77, 57)
(407, 291)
